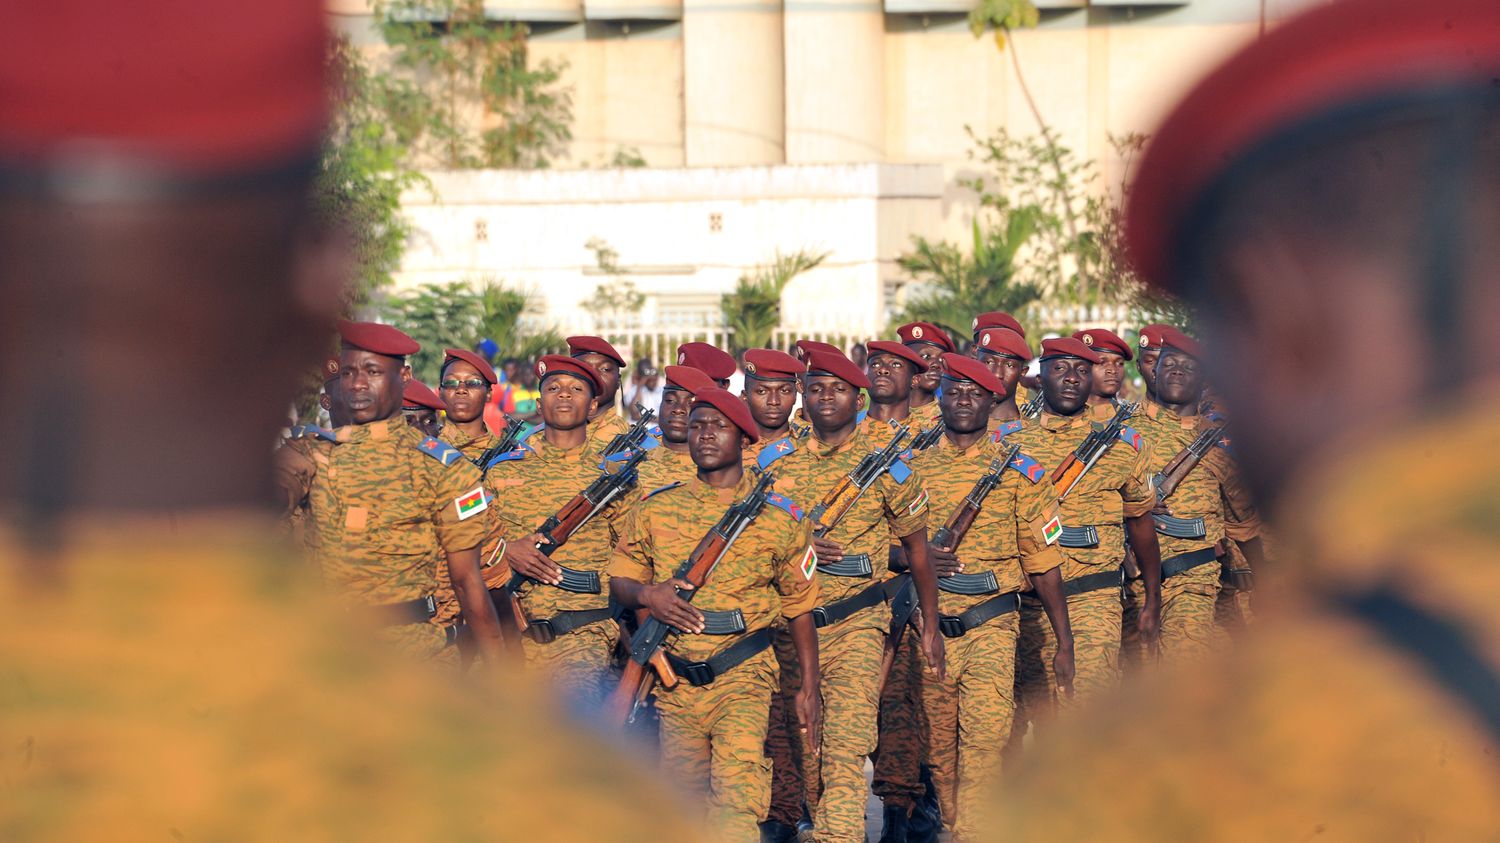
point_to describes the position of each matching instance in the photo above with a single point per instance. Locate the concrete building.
(841, 124)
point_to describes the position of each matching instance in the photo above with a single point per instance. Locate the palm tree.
(753, 310)
(954, 286)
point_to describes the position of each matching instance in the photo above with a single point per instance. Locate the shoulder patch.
(899, 470)
(440, 450)
(1028, 467)
(774, 451)
(654, 430)
(312, 431)
(860, 417)
(784, 503)
(654, 492)
(1005, 429)
(1130, 437)
(515, 454)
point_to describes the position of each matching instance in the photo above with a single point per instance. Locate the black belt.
(1113, 578)
(546, 630)
(1180, 528)
(731, 622)
(1187, 561)
(902, 594)
(956, 626)
(420, 610)
(705, 672)
(841, 609)
(1079, 537)
(854, 565)
(971, 585)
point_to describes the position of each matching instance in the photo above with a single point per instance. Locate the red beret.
(1003, 341)
(198, 86)
(1305, 69)
(1175, 340)
(1067, 347)
(557, 364)
(828, 363)
(804, 347)
(732, 406)
(925, 332)
(997, 319)
(330, 369)
(373, 336)
(1100, 339)
(961, 368)
(874, 347)
(486, 371)
(419, 395)
(593, 345)
(768, 364)
(687, 378)
(1151, 335)
(712, 361)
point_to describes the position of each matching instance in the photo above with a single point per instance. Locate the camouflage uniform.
(925, 416)
(970, 719)
(664, 466)
(530, 484)
(472, 447)
(1116, 488)
(604, 429)
(491, 551)
(850, 651)
(295, 469)
(387, 504)
(1325, 725)
(1188, 599)
(195, 684)
(713, 736)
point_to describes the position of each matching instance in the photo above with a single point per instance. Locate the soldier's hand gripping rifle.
(617, 475)
(509, 438)
(1165, 482)
(1093, 448)
(648, 664)
(842, 497)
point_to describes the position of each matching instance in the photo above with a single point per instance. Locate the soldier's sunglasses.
(469, 383)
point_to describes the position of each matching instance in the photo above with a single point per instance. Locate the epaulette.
(784, 503)
(518, 453)
(654, 492)
(775, 451)
(1028, 467)
(1005, 429)
(899, 470)
(1130, 437)
(440, 451)
(304, 431)
(860, 416)
(654, 430)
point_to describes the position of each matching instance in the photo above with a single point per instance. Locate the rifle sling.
(547, 630)
(1112, 578)
(705, 672)
(841, 610)
(1187, 561)
(956, 626)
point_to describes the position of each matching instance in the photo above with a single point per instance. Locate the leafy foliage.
(459, 314)
(1003, 16)
(955, 286)
(753, 310)
(615, 301)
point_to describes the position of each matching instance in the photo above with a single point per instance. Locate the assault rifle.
(1166, 481)
(927, 438)
(1093, 448)
(842, 497)
(615, 478)
(648, 663)
(1033, 408)
(509, 438)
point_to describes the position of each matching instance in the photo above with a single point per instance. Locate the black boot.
(772, 831)
(926, 816)
(897, 818)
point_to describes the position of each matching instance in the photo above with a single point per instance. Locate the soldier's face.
(1066, 383)
(928, 381)
(675, 406)
(371, 384)
(464, 391)
(1007, 369)
(333, 401)
(831, 402)
(770, 401)
(965, 406)
(424, 420)
(566, 402)
(891, 377)
(609, 371)
(1109, 374)
(1178, 378)
(1145, 363)
(714, 441)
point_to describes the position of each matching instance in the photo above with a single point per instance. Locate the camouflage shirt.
(295, 469)
(663, 466)
(1116, 488)
(767, 573)
(888, 507)
(779, 447)
(471, 447)
(925, 416)
(1204, 492)
(604, 429)
(1006, 537)
(533, 483)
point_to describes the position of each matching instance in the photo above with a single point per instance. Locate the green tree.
(955, 286)
(616, 300)
(753, 310)
(462, 92)
(459, 314)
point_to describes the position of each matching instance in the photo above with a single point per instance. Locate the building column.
(733, 105)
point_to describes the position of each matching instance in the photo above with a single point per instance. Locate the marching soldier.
(1001, 319)
(672, 461)
(713, 724)
(852, 615)
(1090, 533)
(570, 630)
(464, 382)
(604, 422)
(1148, 350)
(420, 407)
(294, 462)
(1109, 372)
(1006, 354)
(980, 582)
(930, 342)
(1359, 172)
(711, 360)
(771, 393)
(893, 371)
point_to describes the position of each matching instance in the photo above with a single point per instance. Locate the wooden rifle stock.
(1183, 463)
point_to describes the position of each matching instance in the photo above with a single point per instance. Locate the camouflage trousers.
(969, 717)
(901, 747)
(850, 663)
(577, 664)
(1233, 612)
(784, 743)
(1188, 605)
(1132, 646)
(1095, 618)
(713, 744)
